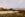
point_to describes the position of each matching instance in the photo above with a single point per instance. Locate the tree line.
(11, 9)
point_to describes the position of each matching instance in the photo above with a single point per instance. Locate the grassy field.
(11, 14)
(5, 12)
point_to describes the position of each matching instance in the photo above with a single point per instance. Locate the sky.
(12, 3)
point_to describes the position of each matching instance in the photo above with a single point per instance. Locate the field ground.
(4, 12)
(11, 14)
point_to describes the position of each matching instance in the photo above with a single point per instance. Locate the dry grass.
(12, 15)
(19, 14)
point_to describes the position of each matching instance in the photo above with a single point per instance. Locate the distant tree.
(1, 9)
(4, 9)
(10, 9)
(14, 10)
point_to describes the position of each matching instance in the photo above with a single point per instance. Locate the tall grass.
(12, 15)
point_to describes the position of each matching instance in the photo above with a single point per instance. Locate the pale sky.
(12, 3)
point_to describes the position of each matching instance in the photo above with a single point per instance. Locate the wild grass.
(19, 14)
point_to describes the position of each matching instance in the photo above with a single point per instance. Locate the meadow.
(12, 14)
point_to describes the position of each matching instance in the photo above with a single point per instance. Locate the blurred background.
(12, 8)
